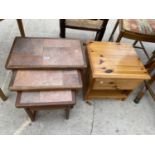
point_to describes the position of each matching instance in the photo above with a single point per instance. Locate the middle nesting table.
(46, 73)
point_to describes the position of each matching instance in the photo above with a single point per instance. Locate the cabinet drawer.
(116, 84)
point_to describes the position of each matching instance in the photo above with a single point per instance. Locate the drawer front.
(116, 84)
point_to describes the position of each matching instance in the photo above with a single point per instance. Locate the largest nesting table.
(46, 73)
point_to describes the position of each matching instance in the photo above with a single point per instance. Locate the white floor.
(102, 117)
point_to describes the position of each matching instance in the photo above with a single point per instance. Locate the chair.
(97, 25)
(135, 29)
(21, 29)
(150, 65)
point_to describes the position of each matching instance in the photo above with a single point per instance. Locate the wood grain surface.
(114, 70)
(115, 60)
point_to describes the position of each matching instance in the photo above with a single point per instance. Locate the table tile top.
(46, 97)
(45, 80)
(45, 53)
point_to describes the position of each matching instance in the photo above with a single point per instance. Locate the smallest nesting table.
(45, 100)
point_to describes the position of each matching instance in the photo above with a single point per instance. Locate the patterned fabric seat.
(86, 23)
(140, 26)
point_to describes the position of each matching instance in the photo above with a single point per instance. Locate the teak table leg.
(67, 111)
(31, 113)
(2, 95)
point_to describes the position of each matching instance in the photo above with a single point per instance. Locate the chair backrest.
(84, 24)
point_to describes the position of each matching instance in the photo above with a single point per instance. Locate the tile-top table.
(115, 70)
(46, 73)
(46, 53)
(33, 80)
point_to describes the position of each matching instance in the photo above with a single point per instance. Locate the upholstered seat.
(85, 23)
(136, 29)
(140, 26)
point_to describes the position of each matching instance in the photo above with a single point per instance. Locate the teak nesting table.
(46, 73)
(114, 70)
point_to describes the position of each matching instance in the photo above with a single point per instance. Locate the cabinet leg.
(2, 95)
(30, 113)
(67, 111)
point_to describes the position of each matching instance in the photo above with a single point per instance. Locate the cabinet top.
(115, 60)
(45, 53)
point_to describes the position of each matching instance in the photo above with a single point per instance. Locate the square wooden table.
(114, 70)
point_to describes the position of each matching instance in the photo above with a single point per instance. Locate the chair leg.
(134, 44)
(99, 36)
(62, 28)
(144, 89)
(144, 50)
(119, 37)
(2, 95)
(30, 113)
(20, 26)
(142, 47)
(67, 111)
(115, 27)
(140, 95)
(150, 62)
(150, 90)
